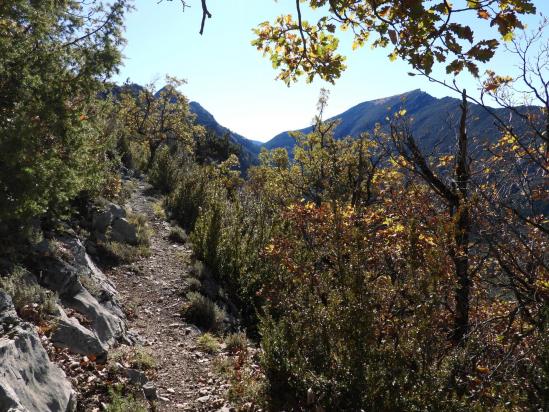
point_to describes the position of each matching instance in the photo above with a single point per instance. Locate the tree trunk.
(153, 147)
(462, 228)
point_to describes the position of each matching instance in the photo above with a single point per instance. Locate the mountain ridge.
(432, 119)
(206, 119)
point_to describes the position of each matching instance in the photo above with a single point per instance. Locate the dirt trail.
(153, 288)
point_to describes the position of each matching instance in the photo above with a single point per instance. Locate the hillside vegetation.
(348, 265)
(372, 272)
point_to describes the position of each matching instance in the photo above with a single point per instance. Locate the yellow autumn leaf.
(427, 239)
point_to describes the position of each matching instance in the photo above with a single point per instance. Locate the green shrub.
(163, 173)
(54, 131)
(135, 154)
(25, 293)
(208, 343)
(223, 365)
(247, 383)
(178, 235)
(142, 358)
(121, 402)
(248, 390)
(198, 270)
(204, 313)
(207, 234)
(230, 237)
(190, 196)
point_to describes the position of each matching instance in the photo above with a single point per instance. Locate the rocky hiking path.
(152, 290)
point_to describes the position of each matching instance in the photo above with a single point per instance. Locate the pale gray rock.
(70, 334)
(67, 276)
(29, 381)
(104, 217)
(59, 276)
(117, 211)
(107, 326)
(108, 295)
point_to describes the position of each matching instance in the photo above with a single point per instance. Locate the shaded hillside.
(207, 120)
(433, 120)
(249, 148)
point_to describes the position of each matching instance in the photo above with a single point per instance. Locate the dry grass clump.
(135, 357)
(178, 235)
(26, 294)
(144, 231)
(208, 343)
(193, 284)
(123, 252)
(123, 401)
(236, 342)
(158, 209)
(203, 312)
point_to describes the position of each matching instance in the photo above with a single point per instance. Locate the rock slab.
(66, 276)
(123, 231)
(29, 381)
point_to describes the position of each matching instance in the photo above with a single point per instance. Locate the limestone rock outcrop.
(29, 381)
(84, 288)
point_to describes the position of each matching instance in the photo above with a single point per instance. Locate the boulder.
(117, 211)
(101, 220)
(70, 334)
(107, 294)
(103, 217)
(65, 273)
(60, 276)
(108, 326)
(124, 231)
(8, 316)
(29, 381)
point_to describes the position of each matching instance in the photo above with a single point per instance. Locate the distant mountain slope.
(206, 119)
(433, 120)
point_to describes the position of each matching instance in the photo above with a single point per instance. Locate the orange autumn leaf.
(483, 14)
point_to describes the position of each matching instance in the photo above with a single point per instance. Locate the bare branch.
(205, 13)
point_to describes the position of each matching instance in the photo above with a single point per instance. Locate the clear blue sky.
(232, 80)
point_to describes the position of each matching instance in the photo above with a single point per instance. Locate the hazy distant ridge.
(433, 120)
